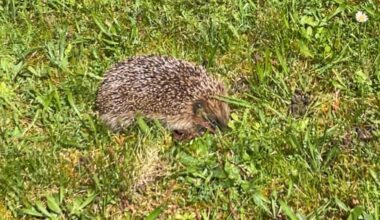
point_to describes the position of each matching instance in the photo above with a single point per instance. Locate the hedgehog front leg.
(182, 135)
(201, 124)
(200, 128)
(188, 127)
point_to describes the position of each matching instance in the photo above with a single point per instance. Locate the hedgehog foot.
(182, 135)
(203, 125)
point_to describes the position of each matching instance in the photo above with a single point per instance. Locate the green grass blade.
(155, 213)
(288, 211)
(53, 204)
(32, 211)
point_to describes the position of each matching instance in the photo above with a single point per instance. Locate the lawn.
(304, 87)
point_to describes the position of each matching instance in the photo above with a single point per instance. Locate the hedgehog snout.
(220, 116)
(212, 114)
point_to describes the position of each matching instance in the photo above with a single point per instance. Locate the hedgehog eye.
(198, 105)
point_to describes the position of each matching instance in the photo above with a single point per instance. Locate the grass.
(58, 161)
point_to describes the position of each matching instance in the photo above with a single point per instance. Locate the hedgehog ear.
(198, 106)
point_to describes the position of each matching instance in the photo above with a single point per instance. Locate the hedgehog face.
(211, 113)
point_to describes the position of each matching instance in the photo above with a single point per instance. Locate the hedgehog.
(180, 94)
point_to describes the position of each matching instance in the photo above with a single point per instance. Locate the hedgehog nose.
(220, 123)
(223, 127)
